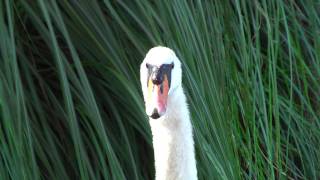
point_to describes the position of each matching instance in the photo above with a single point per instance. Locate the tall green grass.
(71, 105)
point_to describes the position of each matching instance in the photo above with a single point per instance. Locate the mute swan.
(165, 101)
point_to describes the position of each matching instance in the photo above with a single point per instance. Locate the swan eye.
(147, 65)
(172, 65)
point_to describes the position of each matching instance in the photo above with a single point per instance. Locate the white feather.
(172, 133)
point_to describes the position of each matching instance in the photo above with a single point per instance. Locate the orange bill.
(158, 95)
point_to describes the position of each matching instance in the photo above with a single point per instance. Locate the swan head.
(160, 75)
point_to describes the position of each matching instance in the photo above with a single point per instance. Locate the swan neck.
(173, 142)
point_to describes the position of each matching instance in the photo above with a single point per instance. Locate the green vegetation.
(71, 105)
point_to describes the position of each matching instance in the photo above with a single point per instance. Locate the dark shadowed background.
(71, 105)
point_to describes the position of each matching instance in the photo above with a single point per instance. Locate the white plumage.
(172, 132)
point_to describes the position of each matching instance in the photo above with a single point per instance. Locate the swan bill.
(157, 97)
(155, 114)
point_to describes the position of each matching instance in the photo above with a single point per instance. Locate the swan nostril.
(157, 81)
(157, 77)
(155, 114)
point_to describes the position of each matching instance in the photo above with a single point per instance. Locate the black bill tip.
(155, 114)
